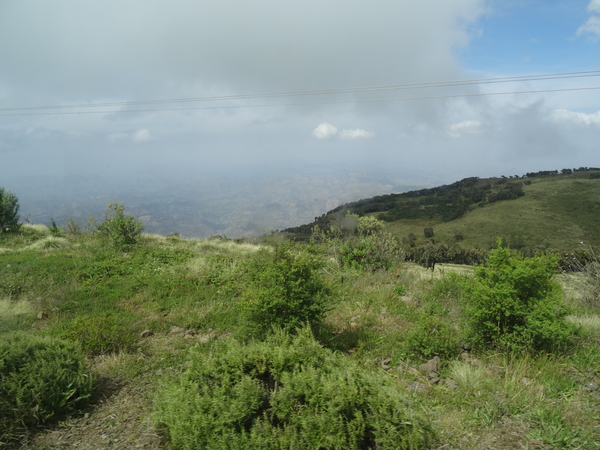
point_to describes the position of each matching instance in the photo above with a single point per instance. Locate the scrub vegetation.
(115, 339)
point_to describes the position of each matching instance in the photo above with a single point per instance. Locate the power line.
(480, 81)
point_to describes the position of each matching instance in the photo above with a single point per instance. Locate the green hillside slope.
(556, 212)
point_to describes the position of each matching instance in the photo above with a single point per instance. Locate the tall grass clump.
(515, 304)
(285, 392)
(40, 379)
(283, 289)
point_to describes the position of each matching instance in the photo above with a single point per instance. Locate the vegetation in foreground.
(366, 350)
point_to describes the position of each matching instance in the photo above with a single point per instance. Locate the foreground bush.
(283, 289)
(286, 392)
(515, 304)
(40, 379)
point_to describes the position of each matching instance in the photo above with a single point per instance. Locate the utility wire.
(477, 81)
(304, 103)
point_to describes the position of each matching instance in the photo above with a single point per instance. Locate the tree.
(9, 211)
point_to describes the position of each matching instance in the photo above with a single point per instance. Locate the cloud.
(592, 26)
(116, 137)
(465, 127)
(142, 135)
(575, 118)
(324, 131)
(327, 131)
(350, 135)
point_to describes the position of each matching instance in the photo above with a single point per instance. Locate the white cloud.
(465, 127)
(350, 135)
(142, 135)
(324, 131)
(592, 26)
(575, 118)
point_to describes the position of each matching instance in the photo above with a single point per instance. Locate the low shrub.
(121, 230)
(286, 392)
(283, 289)
(99, 335)
(514, 303)
(40, 379)
(370, 248)
(433, 337)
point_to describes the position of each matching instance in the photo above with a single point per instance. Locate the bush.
(40, 379)
(287, 392)
(283, 289)
(516, 305)
(99, 335)
(371, 248)
(121, 230)
(9, 211)
(433, 337)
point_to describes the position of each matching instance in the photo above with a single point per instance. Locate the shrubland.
(338, 343)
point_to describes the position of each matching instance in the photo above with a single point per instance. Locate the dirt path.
(122, 420)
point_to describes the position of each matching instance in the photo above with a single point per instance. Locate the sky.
(83, 52)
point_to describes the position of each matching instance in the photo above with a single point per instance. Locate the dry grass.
(37, 227)
(15, 314)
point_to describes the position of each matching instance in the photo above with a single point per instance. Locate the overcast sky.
(73, 52)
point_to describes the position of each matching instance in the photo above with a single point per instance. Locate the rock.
(465, 357)
(590, 386)
(465, 347)
(42, 315)
(146, 333)
(191, 332)
(409, 300)
(204, 338)
(433, 365)
(415, 386)
(450, 384)
(175, 329)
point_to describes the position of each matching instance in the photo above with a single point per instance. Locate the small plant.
(284, 289)
(40, 379)
(428, 232)
(99, 335)
(71, 227)
(287, 392)
(122, 231)
(516, 305)
(9, 211)
(432, 337)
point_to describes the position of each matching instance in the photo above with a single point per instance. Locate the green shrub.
(287, 392)
(100, 334)
(514, 303)
(370, 248)
(432, 337)
(40, 379)
(9, 211)
(121, 230)
(283, 289)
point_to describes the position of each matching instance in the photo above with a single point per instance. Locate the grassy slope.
(529, 403)
(556, 212)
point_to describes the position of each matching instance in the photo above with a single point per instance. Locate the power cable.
(14, 111)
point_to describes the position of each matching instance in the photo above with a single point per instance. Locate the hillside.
(548, 211)
(169, 342)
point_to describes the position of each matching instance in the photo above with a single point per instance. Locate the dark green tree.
(9, 211)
